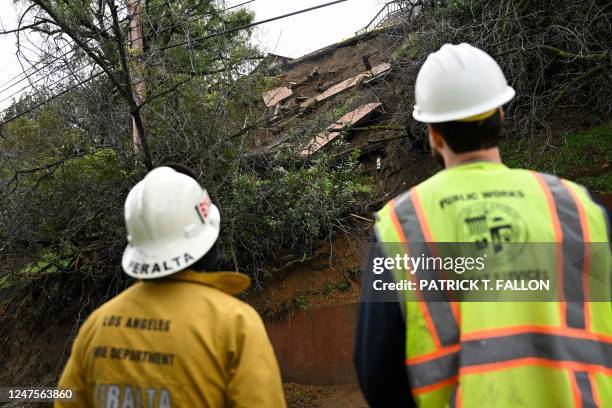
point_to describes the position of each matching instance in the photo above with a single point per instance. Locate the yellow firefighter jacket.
(181, 341)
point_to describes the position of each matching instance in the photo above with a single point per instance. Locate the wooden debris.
(336, 89)
(375, 72)
(381, 69)
(275, 96)
(359, 217)
(350, 119)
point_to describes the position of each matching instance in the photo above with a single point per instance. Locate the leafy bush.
(584, 156)
(65, 216)
(289, 210)
(555, 54)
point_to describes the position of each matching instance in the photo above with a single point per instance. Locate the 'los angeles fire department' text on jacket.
(182, 341)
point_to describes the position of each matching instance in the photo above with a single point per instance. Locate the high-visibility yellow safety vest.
(506, 354)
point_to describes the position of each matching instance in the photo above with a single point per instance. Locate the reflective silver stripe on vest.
(607, 222)
(433, 371)
(586, 389)
(437, 305)
(453, 399)
(573, 250)
(501, 349)
(552, 347)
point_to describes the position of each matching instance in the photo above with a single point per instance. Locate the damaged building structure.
(343, 95)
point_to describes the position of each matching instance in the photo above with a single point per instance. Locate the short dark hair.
(181, 168)
(210, 262)
(463, 137)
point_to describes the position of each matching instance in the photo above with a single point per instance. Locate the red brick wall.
(315, 346)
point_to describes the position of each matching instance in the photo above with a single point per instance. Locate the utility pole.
(136, 38)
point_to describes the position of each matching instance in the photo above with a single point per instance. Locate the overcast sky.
(298, 35)
(292, 36)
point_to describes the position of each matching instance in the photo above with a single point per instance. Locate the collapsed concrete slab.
(375, 72)
(380, 69)
(367, 76)
(342, 86)
(333, 131)
(276, 96)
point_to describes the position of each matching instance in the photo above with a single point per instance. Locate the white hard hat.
(458, 82)
(171, 224)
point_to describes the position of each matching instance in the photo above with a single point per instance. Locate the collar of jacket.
(232, 283)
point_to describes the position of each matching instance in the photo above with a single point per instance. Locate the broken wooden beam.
(375, 72)
(380, 69)
(339, 87)
(276, 96)
(352, 118)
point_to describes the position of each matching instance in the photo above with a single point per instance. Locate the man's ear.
(435, 138)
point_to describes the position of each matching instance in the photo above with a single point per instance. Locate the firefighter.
(178, 336)
(428, 350)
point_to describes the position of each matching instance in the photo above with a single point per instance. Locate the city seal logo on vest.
(496, 230)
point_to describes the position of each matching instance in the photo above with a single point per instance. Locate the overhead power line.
(220, 33)
(38, 105)
(238, 5)
(68, 75)
(187, 20)
(256, 23)
(33, 70)
(5, 86)
(73, 50)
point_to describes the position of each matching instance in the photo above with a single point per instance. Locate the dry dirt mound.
(331, 277)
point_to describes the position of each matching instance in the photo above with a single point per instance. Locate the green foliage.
(555, 78)
(354, 273)
(5, 282)
(293, 208)
(48, 262)
(584, 156)
(407, 50)
(37, 141)
(344, 285)
(66, 169)
(300, 302)
(457, 5)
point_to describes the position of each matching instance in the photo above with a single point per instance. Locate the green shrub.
(584, 156)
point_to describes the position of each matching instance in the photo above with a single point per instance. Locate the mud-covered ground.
(335, 396)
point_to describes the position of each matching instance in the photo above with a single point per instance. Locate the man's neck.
(489, 155)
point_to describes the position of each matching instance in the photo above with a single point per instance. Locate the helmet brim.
(425, 117)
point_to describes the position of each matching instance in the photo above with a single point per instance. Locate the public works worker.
(436, 353)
